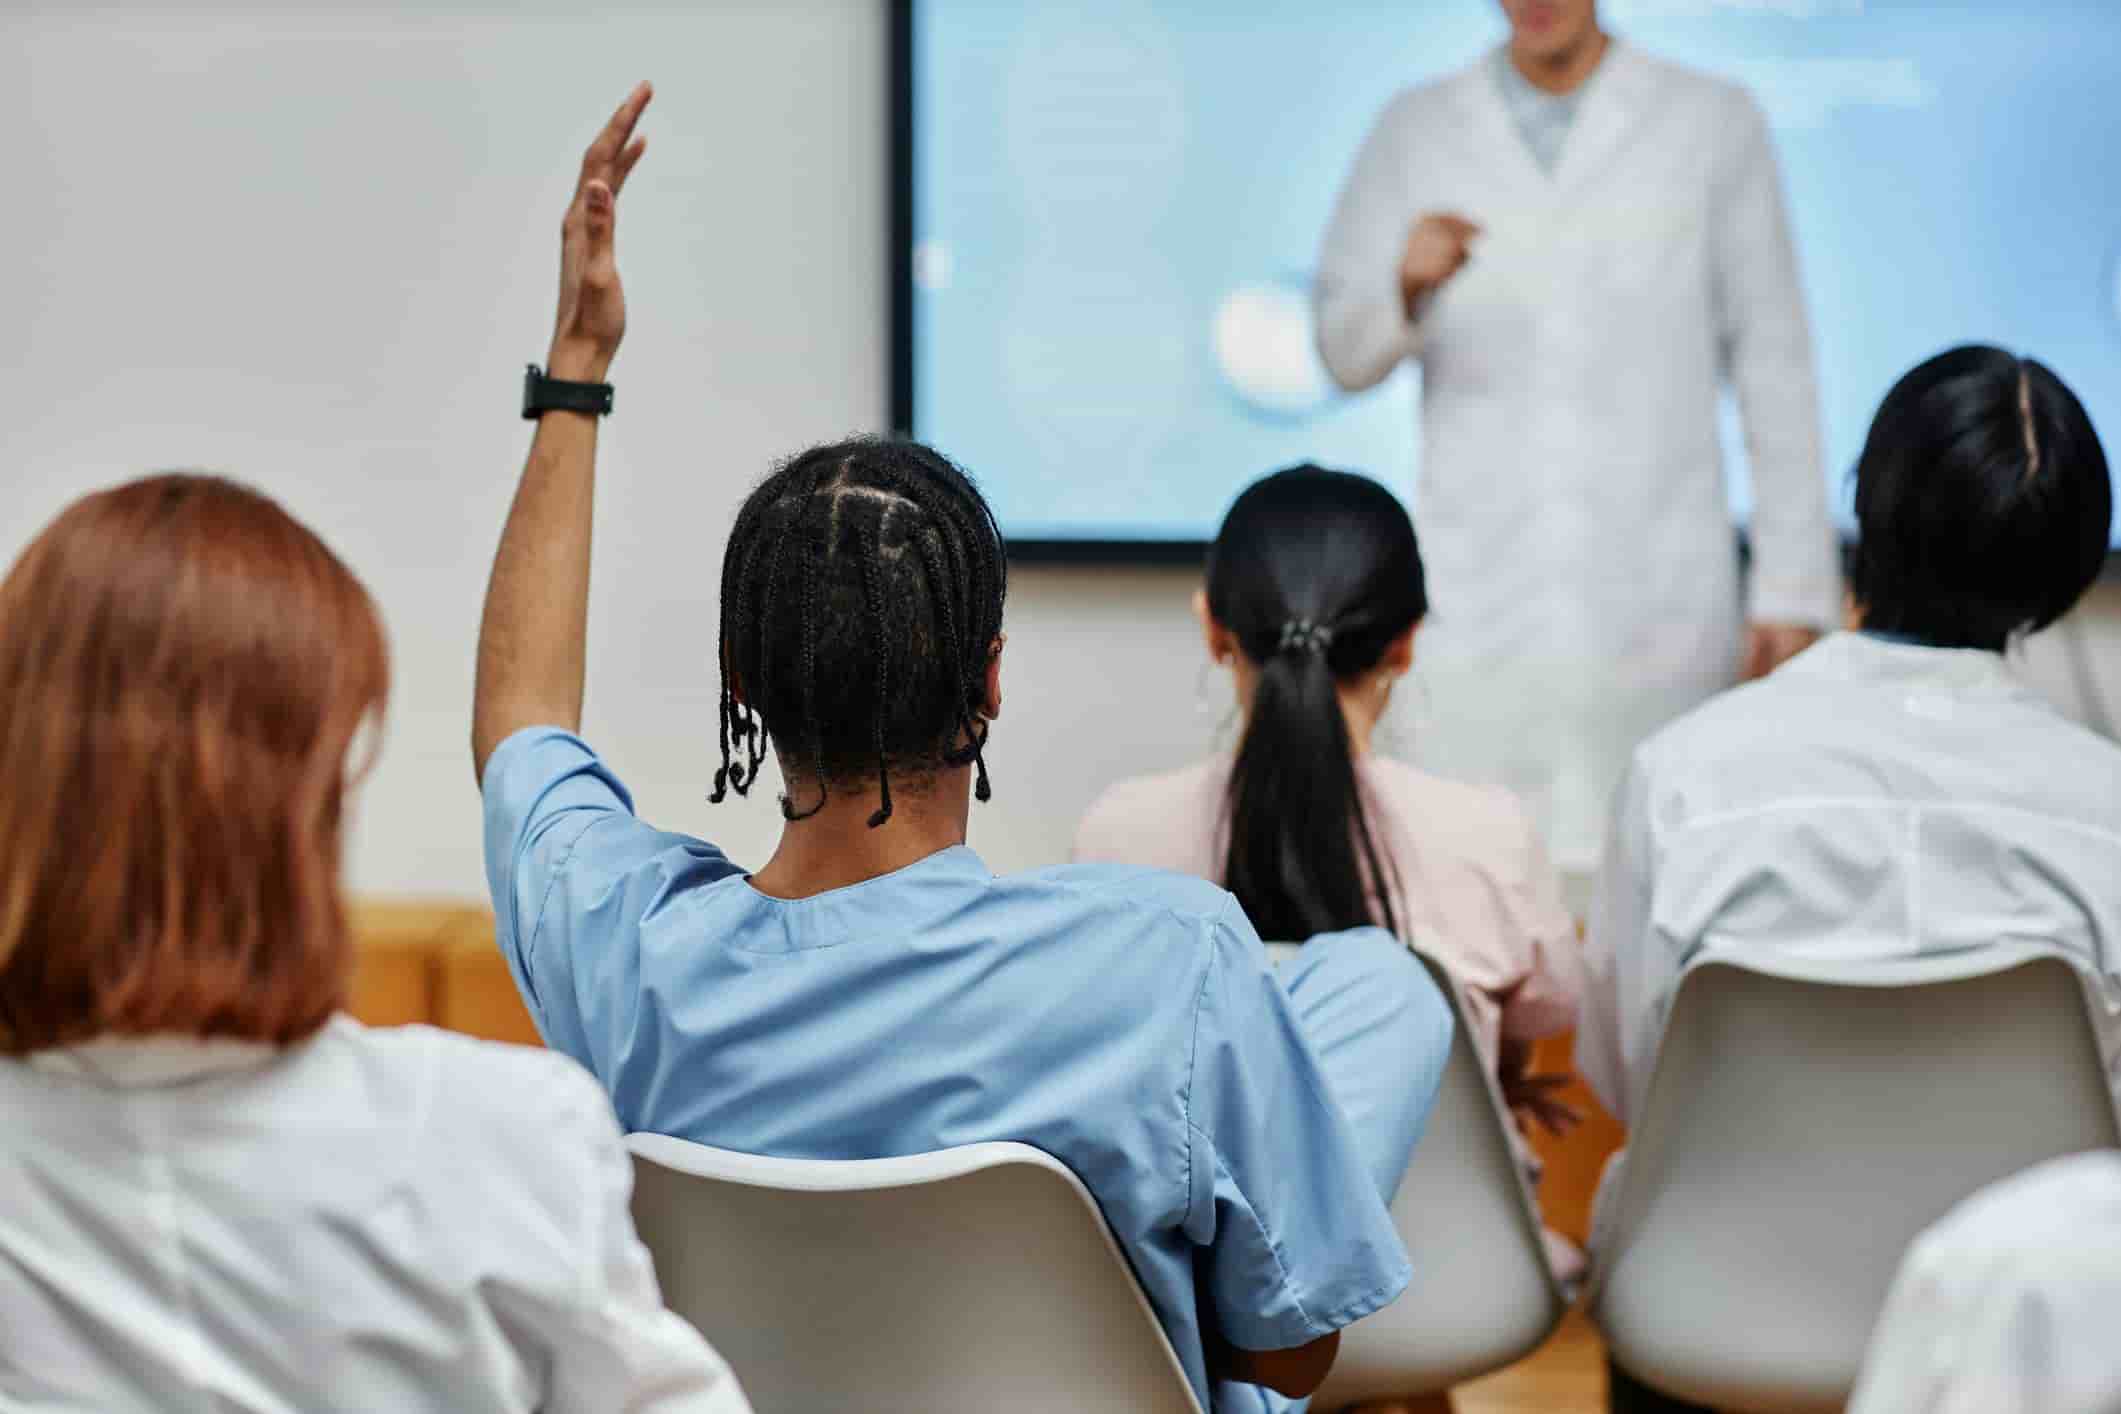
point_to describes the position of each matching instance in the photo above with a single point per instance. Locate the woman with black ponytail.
(1313, 597)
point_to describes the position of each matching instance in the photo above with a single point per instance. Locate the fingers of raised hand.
(623, 168)
(611, 145)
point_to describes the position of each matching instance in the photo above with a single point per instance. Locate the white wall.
(316, 252)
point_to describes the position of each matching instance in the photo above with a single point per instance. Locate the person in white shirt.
(222, 1194)
(2007, 1304)
(1892, 792)
(1580, 245)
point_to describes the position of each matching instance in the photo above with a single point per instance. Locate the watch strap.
(542, 395)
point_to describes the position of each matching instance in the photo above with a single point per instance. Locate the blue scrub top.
(1123, 1020)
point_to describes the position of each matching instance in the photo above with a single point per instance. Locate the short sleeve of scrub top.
(573, 872)
(1299, 1242)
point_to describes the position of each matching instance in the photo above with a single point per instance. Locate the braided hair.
(862, 590)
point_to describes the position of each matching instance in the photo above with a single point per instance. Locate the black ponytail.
(1316, 573)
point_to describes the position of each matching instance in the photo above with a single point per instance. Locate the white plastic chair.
(1804, 1121)
(980, 1277)
(1483, 1295)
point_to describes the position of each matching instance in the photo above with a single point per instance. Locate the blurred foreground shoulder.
(1156, 819)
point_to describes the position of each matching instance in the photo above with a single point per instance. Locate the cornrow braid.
(875, 595)
(817, 743)
(736, 571)
(789, 523)
(885, 565)
(964, 668)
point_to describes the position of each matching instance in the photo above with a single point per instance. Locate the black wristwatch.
(542, 395)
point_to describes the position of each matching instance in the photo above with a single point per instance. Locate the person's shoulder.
(1439, 805)
(2035, 1223)
(1483, 829)
(478, 1090)
(2088, 763)
(1738, 719)
(2078, 742)
(1138, 817)
(1725, 107)
(1685, 80)
(1186, 897)
(1417, 101)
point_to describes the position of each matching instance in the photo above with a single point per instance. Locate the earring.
(1391, 729)
(1204, 708)
(1201, 706)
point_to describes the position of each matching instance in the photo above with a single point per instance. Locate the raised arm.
(531, 637)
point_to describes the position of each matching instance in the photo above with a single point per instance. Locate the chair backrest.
(980, 1277)
(1804, 1121)
(1483, 1295)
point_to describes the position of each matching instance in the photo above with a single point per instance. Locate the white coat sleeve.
(1766, 347)
(618, 1348)
(1363, 329)
(1617, 952)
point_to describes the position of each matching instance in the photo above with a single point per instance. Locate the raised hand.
(592, 306)
(1440, 243)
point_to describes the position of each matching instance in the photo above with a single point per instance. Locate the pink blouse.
(1475, 887)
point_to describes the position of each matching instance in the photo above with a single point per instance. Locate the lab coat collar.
(145, 1062)
(1615, 95)
(1969, 672)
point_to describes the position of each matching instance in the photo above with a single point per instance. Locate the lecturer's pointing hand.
(1438, 246)
(592, 314)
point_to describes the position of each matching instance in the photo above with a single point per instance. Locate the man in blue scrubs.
(873, 990)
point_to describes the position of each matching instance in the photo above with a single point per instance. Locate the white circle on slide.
(1266, 351)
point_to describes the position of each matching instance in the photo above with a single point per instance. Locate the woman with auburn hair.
(222, 1193)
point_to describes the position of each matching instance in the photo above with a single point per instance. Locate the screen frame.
(901, 87)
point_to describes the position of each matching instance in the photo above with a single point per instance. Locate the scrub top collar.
(956, 861)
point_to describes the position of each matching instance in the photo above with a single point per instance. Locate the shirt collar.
(143, 1062)
(1523, 95)
(1870, 657)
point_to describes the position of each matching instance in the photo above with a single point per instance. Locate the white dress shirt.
(1869, 799)
(2009, 1304)
(402, 1220)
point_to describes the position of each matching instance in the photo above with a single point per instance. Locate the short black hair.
(862, 589)
(1983, 504)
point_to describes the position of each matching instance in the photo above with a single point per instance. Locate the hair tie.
(1302, 637)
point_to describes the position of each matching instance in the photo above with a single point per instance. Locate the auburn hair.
(184, 667)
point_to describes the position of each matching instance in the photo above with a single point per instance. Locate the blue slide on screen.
(1116, 205)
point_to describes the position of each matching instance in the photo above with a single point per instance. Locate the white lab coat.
(1572, 507)
(2010, 1303)
(1868, 800)
(399, 1220)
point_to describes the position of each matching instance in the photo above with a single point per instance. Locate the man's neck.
(1565, 70)
(836, 846)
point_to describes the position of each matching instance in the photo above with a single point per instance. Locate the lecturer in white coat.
(1580, 244)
